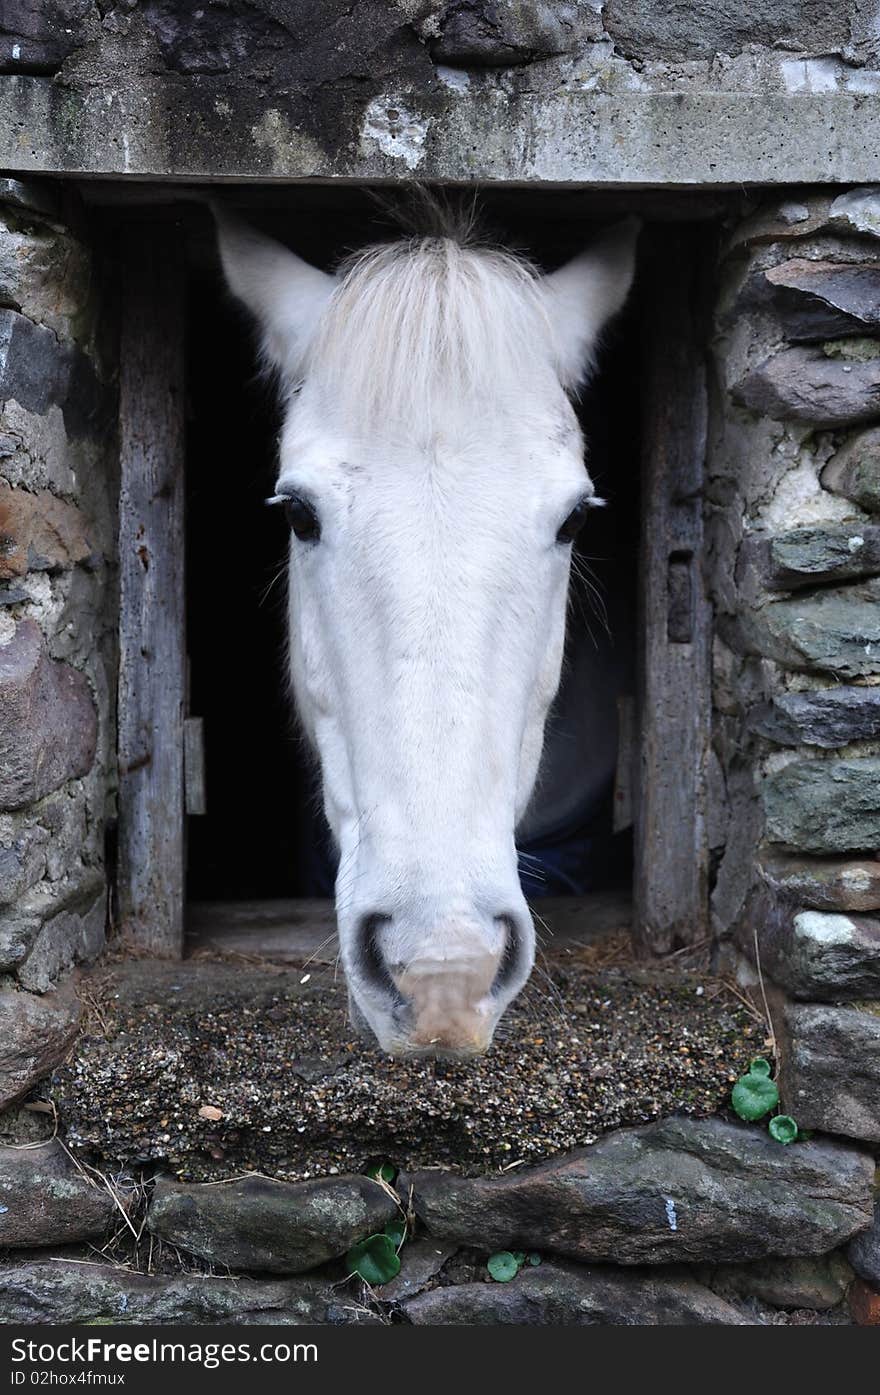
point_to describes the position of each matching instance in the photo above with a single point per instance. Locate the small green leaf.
(396, 1232)
(503, 1266)
(760, 1066)
(753, 1096)
(533, 1258)
(383, 1172)
(520, 1257)
(375, 1259)
(783, 1128)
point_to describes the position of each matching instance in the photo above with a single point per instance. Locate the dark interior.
(263, 835)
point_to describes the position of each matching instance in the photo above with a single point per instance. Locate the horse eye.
(302, 519)
(574, 523)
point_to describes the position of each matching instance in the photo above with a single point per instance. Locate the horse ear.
(584, 294)
(284, 294)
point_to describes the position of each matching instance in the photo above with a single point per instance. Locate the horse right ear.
(285, 295)
(583, 295)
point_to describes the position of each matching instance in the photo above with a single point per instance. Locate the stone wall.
(684, 1221)
(57, 538)
(600, 91)
(794, 529)
(793, 563)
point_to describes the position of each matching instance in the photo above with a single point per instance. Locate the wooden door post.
(152, 642)
(671, 852)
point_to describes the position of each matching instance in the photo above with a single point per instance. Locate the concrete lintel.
(585, 139)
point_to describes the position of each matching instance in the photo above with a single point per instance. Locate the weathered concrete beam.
(463, 131)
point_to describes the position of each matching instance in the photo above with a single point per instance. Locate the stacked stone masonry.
(793, 565)
(682, 1221)
(679, 1222)
(57, 532)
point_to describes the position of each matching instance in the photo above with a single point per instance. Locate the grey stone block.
(830, 1068)
(810, 556)
(49, 1292)
(45, 1199)
(806, 384)
(276, 1227)
(678, 29)
(828, 718)
(503, 33)
(854, 471)
(35, 1036)
(48, 724)
(34, 368)
(673, 1191)
(828, 630)
(824, 806)
(571, 1295)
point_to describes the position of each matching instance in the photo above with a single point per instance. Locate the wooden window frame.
(671, 877)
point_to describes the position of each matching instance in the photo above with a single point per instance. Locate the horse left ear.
(585, 293)
(285, 295)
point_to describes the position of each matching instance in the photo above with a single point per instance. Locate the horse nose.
(449, 1004)
(443, 997)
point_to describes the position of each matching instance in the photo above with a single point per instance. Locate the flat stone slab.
(830, 1068)
(829, 718)
(805, 384)
(824, 955)
(864, 1252)
(819, 1283)
(818, 300)
(214, 1070)
(45, 1199)
(854, 471)
(277, 1227)
(48, 724)
(832, 630)
(823, 884)
(35, 1035)
(810, 556)
(567, 1295)
(827, 806)
(53, 1292)
(677, 1191)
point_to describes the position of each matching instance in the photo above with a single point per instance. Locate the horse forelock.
(427, 331)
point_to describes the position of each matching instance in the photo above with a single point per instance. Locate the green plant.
(755, 1094)
(783, 1128)
(503, 1266)
(396, 1232)
(375, 1259)
(383, 1172)
(506, 1264)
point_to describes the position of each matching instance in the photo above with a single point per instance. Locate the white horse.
(432, 471)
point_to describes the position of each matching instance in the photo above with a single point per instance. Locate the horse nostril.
(512, 956)
(371, 959)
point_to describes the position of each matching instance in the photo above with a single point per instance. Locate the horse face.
(432, 512)
(427, 619)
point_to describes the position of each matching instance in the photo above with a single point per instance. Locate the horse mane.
(430, 328)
